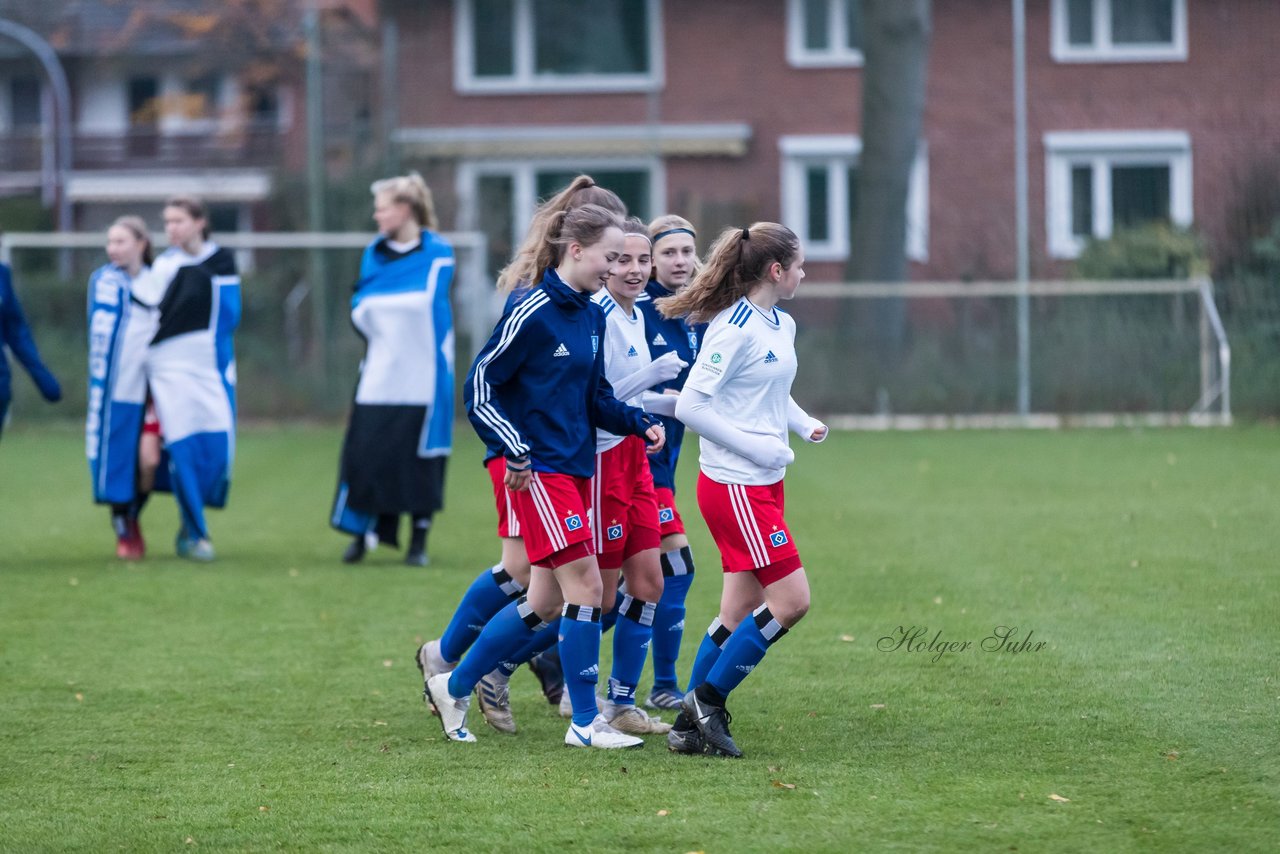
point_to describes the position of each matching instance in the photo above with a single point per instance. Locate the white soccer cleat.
(634, 720)
(598, 733)
(431, 663)
(452, 710)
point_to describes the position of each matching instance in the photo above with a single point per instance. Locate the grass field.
(269, 701)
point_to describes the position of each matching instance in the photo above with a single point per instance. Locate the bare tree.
(895, 48)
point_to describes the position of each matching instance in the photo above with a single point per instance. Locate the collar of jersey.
(563, 295)
(774, 321)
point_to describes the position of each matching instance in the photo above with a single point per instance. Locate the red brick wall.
(726, 62)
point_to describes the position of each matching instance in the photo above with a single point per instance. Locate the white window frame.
(525, 80)
(838, 55)
(1102, 150)
(1103, 49)
(524, 174)
(837, 152)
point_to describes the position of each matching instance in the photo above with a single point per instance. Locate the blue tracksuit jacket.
(538, 386)
(666, 335)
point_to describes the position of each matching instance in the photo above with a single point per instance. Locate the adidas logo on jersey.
(659, 341)
(564, 351)
(767, 359)
(592, 672)
(631, 352)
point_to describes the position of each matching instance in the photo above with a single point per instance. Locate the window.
(557, 45)
(1119, 30)
(819, 195)
(24, 100)
(1099, 182)
(824, 32)
(499, 198)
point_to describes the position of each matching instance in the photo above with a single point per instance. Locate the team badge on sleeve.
(778, 538)
(573, 522)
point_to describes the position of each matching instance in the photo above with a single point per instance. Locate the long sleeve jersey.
(538, 387)
(666, 335)
(16, 335)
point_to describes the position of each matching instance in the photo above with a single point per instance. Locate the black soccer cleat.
(713, 723)
(684, 737)
(546, 666)
(355, 551)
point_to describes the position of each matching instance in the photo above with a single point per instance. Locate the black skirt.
(380, 462)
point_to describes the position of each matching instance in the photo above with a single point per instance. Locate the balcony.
(247, 146)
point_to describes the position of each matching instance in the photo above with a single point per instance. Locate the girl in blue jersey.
(16, 335)
(675, 260)
(538, 389)
(738, 399)
(506, 580)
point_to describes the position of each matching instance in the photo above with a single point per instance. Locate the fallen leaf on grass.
(379, 723)
(1172, 755)
(1059, 799)
(778, 784)
(877, 705)
(847, 638)
(774, 769)
(664, 812)
(79, 697)
(264, 808)
(386, 662)
(189, 841)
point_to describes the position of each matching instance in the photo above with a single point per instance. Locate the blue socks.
(580, 659)
(631, 637)
(542, 641)
(487, 595)
(744, 650)
(708, 652)
(507, 633)
(668, 619)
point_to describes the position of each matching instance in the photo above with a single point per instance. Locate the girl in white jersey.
(738, 399)
(624, 506)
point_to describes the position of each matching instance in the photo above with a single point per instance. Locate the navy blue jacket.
(538, 386)
(16, 335)
(667, 335)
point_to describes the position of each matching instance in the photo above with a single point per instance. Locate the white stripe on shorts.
(547, 513)
(747, 524)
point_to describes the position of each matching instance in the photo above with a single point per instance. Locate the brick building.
(731, 111)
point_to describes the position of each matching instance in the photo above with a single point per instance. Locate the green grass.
(269, 701)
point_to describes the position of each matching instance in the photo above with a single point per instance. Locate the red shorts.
(508, 524)
(553, 518)
(150, 421)
(746, 523)
(624, 508)
(669, 521)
